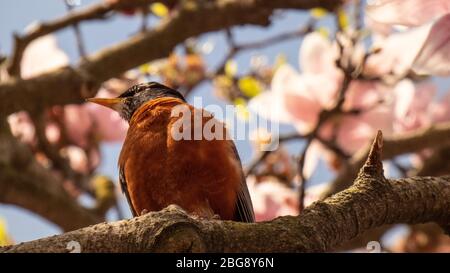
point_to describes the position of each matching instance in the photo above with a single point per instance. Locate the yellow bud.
(324, 32)
(145, 68)
(231, 68)
(343, 19)
(4, 238)
(318, 12)
(159, 9)
(249, 86)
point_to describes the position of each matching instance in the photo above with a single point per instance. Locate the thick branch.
(437, 164)
(93, 12)
(25, 183)
(71, 85)
(371, 202)
(434, 136)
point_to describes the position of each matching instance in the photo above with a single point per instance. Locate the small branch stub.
(374, 165)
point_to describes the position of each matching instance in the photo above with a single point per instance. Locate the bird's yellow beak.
(114, 103)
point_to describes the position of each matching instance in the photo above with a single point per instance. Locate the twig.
(302, 179)
(437, 163)
(93, 12)
(435, 136)
(324, 116)
(260, 157)
(78, 81)
(58, 162)
(78, 36)
(235, 49)
(144, 17)
(358, 15)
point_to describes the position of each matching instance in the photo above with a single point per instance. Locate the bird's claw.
(144, 211)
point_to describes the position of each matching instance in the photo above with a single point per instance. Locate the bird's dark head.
(129, 101)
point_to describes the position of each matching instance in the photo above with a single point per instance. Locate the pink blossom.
(87, 120)
(406, 12)
(78, 159)
(22, 127)
(378, 29)
(108, 124)
(52, 132)
(433, 56)
(42, 55)
(419, 107)
(397, 52)
(272, 199)
(299, 98)
(78, 123)
(81, 121)
(441, 110)
(414, 105)
(318, 55)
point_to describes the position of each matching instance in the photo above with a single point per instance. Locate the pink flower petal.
(398, 51)
(22, 127)
(434, 57)
(108, 124)
(363, 95)
(441, 110)
(270, 104)
(306, 96)
(78, 123)
(304, 110)
(317, 55)
(42, 55)
(404, 93)
(377, 27)
(272, 199)
(407, 12)
(77, 158)
(355, 132)
(413, 106)
(52, 132)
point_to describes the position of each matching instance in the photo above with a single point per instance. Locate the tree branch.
(25, 183)
(434, 136)
(188, 21)
(438, 163)
(371, 202)
(93, 12)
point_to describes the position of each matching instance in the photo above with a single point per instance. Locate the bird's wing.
(123, 186)
(244, 208)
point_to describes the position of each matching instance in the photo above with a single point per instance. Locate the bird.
(157, 168)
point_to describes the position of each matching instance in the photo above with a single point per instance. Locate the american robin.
(203, 175)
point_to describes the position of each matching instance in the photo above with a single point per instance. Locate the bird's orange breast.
(202, 176)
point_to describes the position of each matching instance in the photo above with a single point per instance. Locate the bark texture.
(372, 201)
